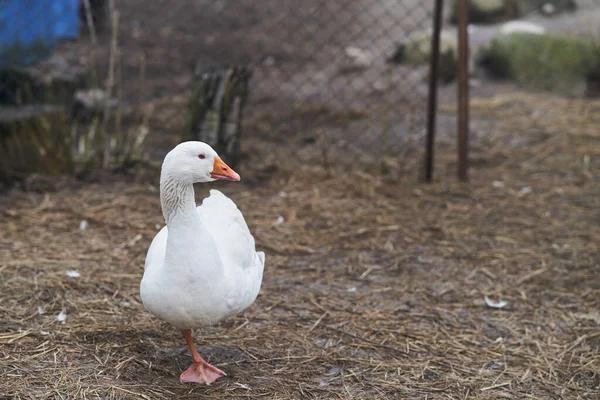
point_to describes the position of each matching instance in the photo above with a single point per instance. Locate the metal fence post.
(433, 84)
(463, 91)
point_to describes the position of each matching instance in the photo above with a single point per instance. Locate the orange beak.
(223, 172)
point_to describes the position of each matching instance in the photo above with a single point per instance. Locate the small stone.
(521, 27)
(355, 59)
(73, 274)
(525, 190)
(62, 317)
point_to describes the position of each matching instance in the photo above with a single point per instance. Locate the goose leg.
(200, 371)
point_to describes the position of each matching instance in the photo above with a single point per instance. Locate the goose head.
(196, 162)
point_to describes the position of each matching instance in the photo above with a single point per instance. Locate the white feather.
(206, 269)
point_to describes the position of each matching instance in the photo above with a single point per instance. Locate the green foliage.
(556, 63)
(490, 11)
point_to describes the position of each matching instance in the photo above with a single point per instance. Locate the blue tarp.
(30, 29)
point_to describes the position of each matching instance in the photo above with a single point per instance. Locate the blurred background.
(328, 77)
(379, 285)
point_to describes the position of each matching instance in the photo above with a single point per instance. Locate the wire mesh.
(321, 68)
(316, 62)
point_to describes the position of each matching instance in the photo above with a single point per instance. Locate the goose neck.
(176, 198)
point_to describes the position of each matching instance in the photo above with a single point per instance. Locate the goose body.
(218, 260)
(202, 266)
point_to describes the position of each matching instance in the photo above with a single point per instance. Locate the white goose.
(203, 266)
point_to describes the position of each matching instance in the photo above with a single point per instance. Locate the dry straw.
(374, 288)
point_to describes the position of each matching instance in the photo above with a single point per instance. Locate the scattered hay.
(373, 288)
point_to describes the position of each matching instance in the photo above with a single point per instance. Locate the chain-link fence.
(322, 70)
(335, 74)
(330, 66)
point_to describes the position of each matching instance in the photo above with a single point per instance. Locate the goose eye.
(201, 156)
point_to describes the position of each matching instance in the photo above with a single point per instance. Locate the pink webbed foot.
(201, 372)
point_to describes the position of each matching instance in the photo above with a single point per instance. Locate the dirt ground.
(374, 285)
(375, 282)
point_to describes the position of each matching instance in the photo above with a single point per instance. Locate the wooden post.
(216, 110)
(463, 91)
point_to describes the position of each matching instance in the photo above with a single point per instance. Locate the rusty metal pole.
(434, 67)
(463, 91)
